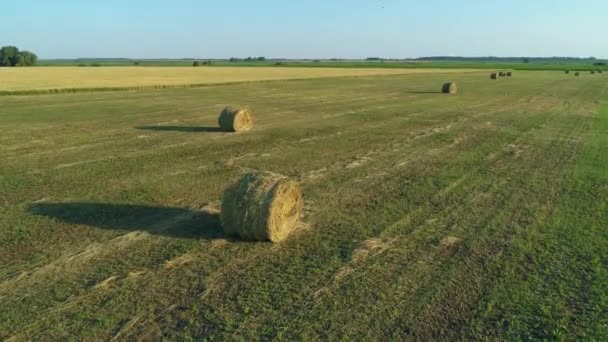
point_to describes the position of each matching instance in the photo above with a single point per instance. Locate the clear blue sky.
(305, 29)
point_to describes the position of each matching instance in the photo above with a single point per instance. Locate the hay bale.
(494, 76)
(261, 206)
(501, 74)
(449, 88)
(233, 119)
(567, 71)
(509, 74)
(577, 73)
(592, 72)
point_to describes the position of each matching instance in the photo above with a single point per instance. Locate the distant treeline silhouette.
(10, 56)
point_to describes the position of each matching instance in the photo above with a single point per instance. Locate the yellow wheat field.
(46, 78)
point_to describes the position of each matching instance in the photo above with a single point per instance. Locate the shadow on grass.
(189, 129)
(173, 222)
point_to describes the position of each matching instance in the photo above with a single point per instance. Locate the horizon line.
(330, 58)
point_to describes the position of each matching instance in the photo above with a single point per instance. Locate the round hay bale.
(233, 119)
(577, 74)
(567, 71)
(261, 206)
(509, 74)
(501, 74)
(449, 88)
(494, 76)
(592, 72)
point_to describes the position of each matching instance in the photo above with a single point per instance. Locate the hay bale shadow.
(187, 129)
(172, 222)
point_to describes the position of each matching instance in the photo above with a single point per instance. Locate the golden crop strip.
(51, 78)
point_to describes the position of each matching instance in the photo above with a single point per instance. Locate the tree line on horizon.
(10, 56)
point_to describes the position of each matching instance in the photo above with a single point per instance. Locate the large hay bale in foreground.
(233, 119)
(449, 88)
(261, 206)
(494, 76)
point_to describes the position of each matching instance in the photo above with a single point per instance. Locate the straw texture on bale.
(261, 206)
(233, 119)
(449, 88)
(493, 75)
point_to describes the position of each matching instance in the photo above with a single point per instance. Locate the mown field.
(42, 80)
(477, 216)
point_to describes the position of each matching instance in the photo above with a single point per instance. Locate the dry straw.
(233, 119)
(449, 88)
(261, 206)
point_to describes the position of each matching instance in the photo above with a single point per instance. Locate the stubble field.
(481, 215)
(78, 79)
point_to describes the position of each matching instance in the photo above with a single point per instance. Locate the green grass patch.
(432, 217)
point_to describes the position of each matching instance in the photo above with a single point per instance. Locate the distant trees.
(248, 59)
(10, 56)
(197, 63)
(26, 58)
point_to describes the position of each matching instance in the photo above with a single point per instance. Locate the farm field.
(476, 216)
(54, 79)
(455, 63)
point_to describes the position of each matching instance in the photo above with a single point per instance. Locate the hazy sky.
(305, 29)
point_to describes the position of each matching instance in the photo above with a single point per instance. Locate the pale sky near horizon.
(311, 29)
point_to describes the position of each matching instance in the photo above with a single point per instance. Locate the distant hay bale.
(501, 74)
(567, 71)
(592, 72)
(449, 88)
(577, 73)
(233, 119)
(261, 206)
(509, 74)
(494, 76)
